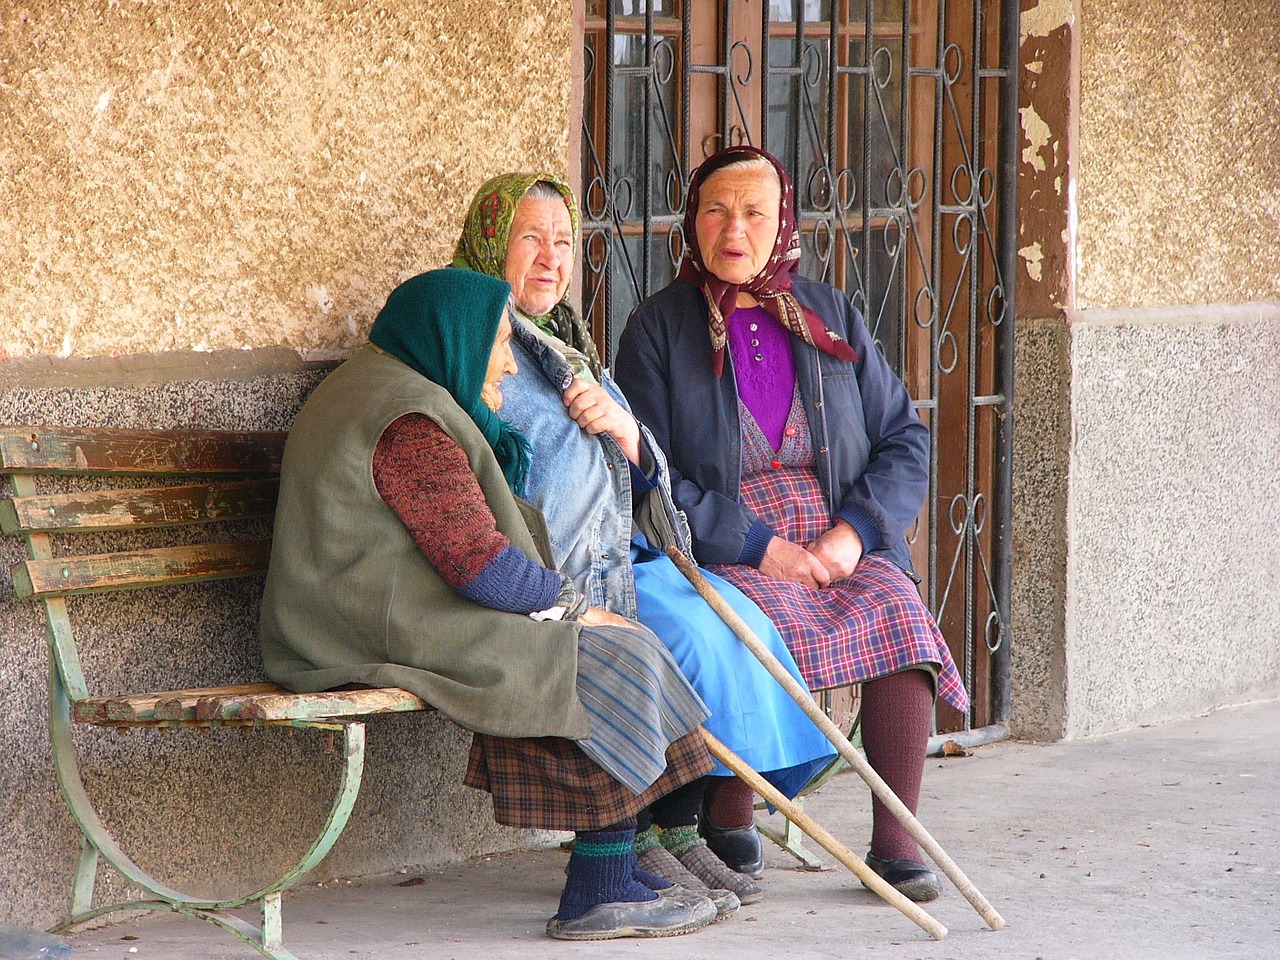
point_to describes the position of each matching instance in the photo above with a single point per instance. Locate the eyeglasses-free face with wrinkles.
(539, 261)
(737, 222)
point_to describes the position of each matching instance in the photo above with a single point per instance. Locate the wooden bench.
(182, 480)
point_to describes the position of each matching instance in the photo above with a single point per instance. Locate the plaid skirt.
(640, 707)
(868, 625)
(546, 783)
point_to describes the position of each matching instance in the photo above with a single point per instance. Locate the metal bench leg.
(98, 842)
(791, 839)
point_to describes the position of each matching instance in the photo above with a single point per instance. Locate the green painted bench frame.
(841, 705)
(226, 475)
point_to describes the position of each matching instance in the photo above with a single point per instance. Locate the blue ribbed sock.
(601, 870)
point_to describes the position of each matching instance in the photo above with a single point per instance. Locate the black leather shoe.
(738, 847)
(910, 878)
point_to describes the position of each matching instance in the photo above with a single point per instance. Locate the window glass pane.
(638, 8)
(789, 10)
(875, 122)
(625, 272)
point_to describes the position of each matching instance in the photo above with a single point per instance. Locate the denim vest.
(582, 483)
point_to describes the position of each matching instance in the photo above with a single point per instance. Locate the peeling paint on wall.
(1045, 167)
(1047, 16)
(207, 176)
(1037, 135)
(1031, 256)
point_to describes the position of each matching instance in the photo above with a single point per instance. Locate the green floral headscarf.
(482, 247)
(443, 325)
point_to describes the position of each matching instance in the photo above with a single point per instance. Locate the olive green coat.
(350, 598)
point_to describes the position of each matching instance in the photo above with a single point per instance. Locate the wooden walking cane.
(806, 703)
(829, 843)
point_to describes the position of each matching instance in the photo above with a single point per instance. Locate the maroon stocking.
(730, 802)
(897, 714)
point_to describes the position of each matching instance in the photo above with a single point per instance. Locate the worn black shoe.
(910, 878)
(738, 847)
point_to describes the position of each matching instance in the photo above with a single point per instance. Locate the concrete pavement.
(1157, 843)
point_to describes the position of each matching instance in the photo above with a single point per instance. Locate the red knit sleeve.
(424, 476)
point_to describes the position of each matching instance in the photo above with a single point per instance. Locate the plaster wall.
(1179, 146)
(179, 176)
(1173, 586)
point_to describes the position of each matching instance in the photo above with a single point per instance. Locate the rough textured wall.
(203, 176)
(1179, 198)
(1041, 455)
(1173, 583)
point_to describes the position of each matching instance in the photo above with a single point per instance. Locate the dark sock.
(897, 713)
(730, 802)
(680, 807)
(650, 879)
(601, 870)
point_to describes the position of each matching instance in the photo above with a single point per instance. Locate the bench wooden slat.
(129, 570)
(243, 703)
(91, 511)
(284, 705)
(77, 450)
(148, 708)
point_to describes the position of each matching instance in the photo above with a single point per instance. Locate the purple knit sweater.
(763, 367)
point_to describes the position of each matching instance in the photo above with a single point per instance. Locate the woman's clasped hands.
(833, 556)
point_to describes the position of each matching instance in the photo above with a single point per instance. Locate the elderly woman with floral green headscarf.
(403, 556)
(523, 228)
(595, 474)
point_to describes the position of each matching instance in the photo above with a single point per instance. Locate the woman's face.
(501, 363)
(737, 222)
(540, 255)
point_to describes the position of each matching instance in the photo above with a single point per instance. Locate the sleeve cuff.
(756, 543)
(866, 528)
(640, 483)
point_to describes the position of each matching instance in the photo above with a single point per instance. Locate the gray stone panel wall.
(1042, 419)
(1173, 529)
(212, 812)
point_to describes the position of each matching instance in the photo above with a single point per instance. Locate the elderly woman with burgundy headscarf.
(800, 463)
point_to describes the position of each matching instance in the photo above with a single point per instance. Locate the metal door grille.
(897, 123)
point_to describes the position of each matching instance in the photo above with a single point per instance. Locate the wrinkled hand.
(784, 560)
(596, 412)
(598, 616)
(839, 550)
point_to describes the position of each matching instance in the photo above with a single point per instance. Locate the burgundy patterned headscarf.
(771, 286)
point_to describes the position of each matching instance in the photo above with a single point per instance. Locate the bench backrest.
(174, 478)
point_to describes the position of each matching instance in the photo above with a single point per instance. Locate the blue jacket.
(588, 491)
(872, 451)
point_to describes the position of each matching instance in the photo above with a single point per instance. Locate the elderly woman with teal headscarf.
(595, 474)
(404, 556)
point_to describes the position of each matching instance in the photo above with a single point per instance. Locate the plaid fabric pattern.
(546, 783)
(870, 624)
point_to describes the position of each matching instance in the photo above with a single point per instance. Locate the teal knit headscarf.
(443, 325)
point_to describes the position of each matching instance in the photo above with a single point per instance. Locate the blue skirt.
(750, 712)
